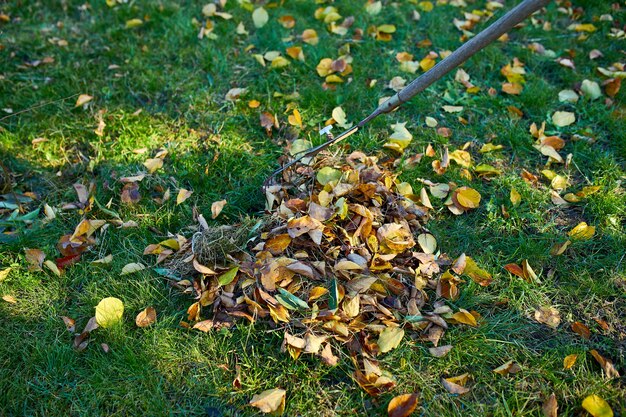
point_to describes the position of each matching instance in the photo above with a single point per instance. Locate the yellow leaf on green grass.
(260, 17)
(569, 361)
(153, 164)
(132, 267)
(295, 119)
(217, 207)
(83, 99)
(109, 311)
(563, 118)
(465, 317)
(310, 36)
(582, 231)
(597, 407)
(9, 299)
(270, 401)
(133, 23)
(183, 195)
(403, 405)
(4, 274)
(467, 197)
(515, 197)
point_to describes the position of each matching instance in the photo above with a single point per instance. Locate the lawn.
(159, 73)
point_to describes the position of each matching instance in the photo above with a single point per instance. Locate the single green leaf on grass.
(109, 311)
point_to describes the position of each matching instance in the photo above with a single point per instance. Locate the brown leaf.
(146, 317)
(70, 324)
(549, 316)
(183, 195)
(35, 258)
(581, 329)
(455, 385)
(403, 405)
(607, 365)
(509, 367)
(550, 406)
(328, 357)
(441, 351)
(130, 193)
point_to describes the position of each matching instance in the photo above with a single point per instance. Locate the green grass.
(219, 150)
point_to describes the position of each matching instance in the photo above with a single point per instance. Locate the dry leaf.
(216, 208)
(9, 299)
(131, 268)
(260, 17)
(389, 339)
(549, 316)
(183, 195)
(270, 401)
(550, 406)
(146, 317)
(403, 405)
(35, 258)
(83, 99)
(563, 118)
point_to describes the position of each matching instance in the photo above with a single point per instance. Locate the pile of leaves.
(343, 259)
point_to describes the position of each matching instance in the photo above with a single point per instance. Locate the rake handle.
(469, 48)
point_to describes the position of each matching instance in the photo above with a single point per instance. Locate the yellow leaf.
(597, 407)
(279, 62)
(390, 338)
(9, 299)
(465, 317)
(217, 207)
(83, 99)
(183, 195)
(582, 231)
(132, 267)
(569, 361)
(339, 116)
(4, 274)
(467, 197)
(461, 157)
(260, 17)
(427, 242)
(489, 147)
(563, 118)
(109, 311)
(515, 197)
(153, 164)
(133, 23)
(146, 317)
(253, 104)
(295, 119)
(310, 36)
(270, 401)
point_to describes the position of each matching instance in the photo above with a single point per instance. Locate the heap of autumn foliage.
(342, 257)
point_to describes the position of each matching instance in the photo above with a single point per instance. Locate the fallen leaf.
(509, 367)
(581, 329)
(582, 231)
(270, 401)
(563, 118)
(35, 258)
(131, 268)
(550, 406)
(216, 208)
(133, 23)
(328, 357)
(597, 407)
(455, 385)
(4, 274)
(153, 164)
(549, 316)
(109, 311)
(183, 195)
(9, 299)
(260, 17)
(607, 365)
(467, 197)
(569, 361)
(390, 338)
(146, 317)
(440, 351)
(403, 405)
(83, 99)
